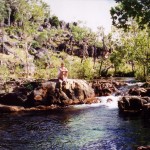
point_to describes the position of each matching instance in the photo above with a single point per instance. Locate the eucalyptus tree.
(132, 48)
(137, 43)
(79, 33)
(3, 14)
(138, 10)
(28, 16)
(37, 12)
(23, 10)
(2, 10)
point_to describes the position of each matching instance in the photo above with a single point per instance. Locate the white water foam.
(135, 84)
(106, 101)
(109, 101)
(87, 105)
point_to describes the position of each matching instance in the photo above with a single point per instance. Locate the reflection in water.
(80, 127)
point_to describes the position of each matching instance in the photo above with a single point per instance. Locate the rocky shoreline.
(47, 95)
(137, 101)
(52, 94)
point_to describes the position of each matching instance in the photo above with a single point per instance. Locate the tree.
(54, 21)
(23, 11)
(2, 10)
(131, 52)
(135, 9)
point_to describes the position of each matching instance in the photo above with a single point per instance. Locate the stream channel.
(80, 127)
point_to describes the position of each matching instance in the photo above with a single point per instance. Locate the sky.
(93, 13)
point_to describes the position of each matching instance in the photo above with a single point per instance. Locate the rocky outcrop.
(134, 104)
(48, 93)
(139, 91)
(106, 87)
(143, 90)
(137, 101)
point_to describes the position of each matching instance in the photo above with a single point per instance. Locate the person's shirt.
(63, 69)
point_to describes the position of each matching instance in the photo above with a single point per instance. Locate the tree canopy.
(127, 9)
(22, 10)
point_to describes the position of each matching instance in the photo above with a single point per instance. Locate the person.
(62, 72)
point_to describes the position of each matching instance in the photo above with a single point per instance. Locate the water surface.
(84, 127)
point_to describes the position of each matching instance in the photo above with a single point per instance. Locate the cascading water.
(105, 101)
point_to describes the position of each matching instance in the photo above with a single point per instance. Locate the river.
(80, 127)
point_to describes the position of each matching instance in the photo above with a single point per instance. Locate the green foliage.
(126, 9)
(40, 74)
(38, 11)
(139, 74)
(79, 33)
(132, 49)
(82, 71)
(24, 12)
(3, 11)
(35, 44)
(74, 68)
(117, 59)
(87, 69)
(4, 73)
(54, 21)
(42, 37)
(10, 30)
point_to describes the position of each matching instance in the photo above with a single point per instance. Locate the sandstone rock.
(138, 91)
(72, 91)
(105, 88)
(47, 93)
(133, 103)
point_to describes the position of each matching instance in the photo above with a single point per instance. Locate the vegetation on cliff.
(33, 43)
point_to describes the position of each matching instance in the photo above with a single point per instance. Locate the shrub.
(54, 21)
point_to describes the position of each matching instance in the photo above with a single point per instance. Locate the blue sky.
(93, 13)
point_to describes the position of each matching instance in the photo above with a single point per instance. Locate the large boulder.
(134, 104)
(72, 91)
(105, 87)
(48, 93)
(140, 91)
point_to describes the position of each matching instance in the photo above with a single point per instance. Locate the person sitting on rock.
(62, 72)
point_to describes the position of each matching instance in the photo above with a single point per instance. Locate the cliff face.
(48, 93)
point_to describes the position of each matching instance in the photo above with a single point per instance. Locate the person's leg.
(60, 76)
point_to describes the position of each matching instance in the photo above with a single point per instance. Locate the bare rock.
(31, 95)
(133, 104)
